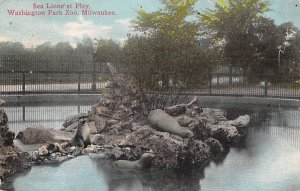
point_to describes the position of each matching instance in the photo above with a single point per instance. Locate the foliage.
(251, 41)
(168, 55)
(108, 51)
(12, 48)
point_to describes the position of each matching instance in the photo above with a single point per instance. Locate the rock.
(3, 117)
(216, 147)
(101, 110)
(74, 118)
(89, 149)
(117, 153)
(3, 130)
(98, 125)
(72, 127)
(176, 110)
(184, 120)
(123, 113)
(54, 148)
(200, 130)
(136, 126)
(105, 102)
(115, 129)
(12, 159)
(98, 139)
(191, 113)
(194, 153)
(241, 121)
(43, 150)
(8, 138)
(112, 122)
(195, 106)
(135, 105)
(212, 116)
(2, 103)
(14, 163)
(93, 128)
(165, 122)
(163, 146)
(225, 133)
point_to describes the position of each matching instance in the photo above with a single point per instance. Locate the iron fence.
(77, 75)
(240, 86)
(51, 75)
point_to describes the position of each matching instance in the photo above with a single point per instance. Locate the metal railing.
(21, 75)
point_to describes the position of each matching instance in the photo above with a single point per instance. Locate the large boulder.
(170, 151)
(74, 118)
(176, 110)
(165, 148)
(12, 159)
(72, 127)
(216, 148)
(200, 129)
(241, 121)
(98, 139)
(194, 153)
(226, 134)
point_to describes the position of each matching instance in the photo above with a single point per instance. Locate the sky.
(35, 30)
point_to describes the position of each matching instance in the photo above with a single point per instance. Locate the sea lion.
(165, 122)
(143, 162)
(82, 135)
(81, 139)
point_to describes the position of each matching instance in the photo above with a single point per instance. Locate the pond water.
(269, 161)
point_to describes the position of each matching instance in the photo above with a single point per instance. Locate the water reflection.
(155, 180)
(269, 161)
(78, 174)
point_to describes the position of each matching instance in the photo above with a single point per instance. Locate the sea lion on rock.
(167, 123)
(82, 136)
(143, 162)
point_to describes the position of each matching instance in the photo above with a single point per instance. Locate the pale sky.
(32, 31)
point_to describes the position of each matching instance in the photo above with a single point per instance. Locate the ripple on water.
(74, 175)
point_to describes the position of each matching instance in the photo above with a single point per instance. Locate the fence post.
(210, 84)
(94, 77)
(23, 83)
(266, 88)
(230, 74)
(79, 81)
(23, 113)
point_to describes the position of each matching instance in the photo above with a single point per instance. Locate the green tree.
(234, 23)
(169, 50)
(12, 48)
(289, 58)
(108, 51)
(63, 48)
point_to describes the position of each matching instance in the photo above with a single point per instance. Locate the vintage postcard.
(140, 95)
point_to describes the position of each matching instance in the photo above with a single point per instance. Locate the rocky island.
(124, 128)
